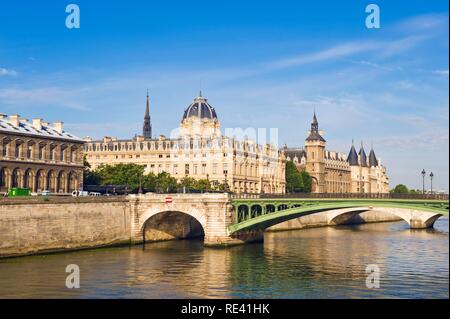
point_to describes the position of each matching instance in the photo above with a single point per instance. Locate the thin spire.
(147, 107)
(147, 127)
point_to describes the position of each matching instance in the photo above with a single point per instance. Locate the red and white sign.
(168, 200)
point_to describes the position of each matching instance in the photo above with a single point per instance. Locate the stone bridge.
(40, 224)
(223, 220)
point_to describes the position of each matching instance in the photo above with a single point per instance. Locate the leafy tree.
(89, 177)
(165, 183)
(400, 189)
(149, 182)
(203, 185)
(294, 182)
(307, 181)
(121, 174)
(188, 182)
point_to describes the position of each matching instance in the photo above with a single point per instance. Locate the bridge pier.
(423, 223)
(245, 237)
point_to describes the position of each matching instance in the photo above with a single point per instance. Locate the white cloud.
(7, 72)
(441, 72)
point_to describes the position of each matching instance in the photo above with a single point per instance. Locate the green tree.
(294, 182)
(121, 174)
(307, 181)
(203, 185)
(400, 189)
(89, 177)
(188, 182)
(149, 182)
(165, 183)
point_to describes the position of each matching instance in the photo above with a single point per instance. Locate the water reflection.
(309, 263)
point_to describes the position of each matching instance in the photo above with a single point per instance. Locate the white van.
(80, 193)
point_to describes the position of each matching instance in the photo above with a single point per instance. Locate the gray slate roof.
(27, 128)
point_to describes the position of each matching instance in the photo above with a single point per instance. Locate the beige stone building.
(200, 151)
(334, 172)
(39, 156)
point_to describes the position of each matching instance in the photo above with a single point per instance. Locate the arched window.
(2, 177)
(15, 178)
(27, 179)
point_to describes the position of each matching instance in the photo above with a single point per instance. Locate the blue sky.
(260, 63)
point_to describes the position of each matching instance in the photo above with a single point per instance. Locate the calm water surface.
(313, 263)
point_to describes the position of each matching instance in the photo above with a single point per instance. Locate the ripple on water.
(309, 263)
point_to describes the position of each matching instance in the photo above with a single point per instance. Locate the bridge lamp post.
(431, 179)
(423, 181)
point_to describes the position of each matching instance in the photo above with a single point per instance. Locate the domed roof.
(200, 108)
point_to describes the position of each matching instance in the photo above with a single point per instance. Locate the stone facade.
(39, 156)
(334, 172)
(199, 151)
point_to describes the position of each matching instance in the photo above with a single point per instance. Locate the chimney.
(14, 119)
(58, 126)
(37, 123)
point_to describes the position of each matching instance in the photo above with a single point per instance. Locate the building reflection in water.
(326, 262)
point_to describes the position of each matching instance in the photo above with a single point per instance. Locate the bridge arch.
(172, 224)
(337, 212)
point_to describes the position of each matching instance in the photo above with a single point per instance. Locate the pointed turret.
(373, 161)
(314, 134)
(362, 156)
(147, 128)
(352, 157)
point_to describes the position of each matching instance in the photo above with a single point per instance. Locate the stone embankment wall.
(35, 225)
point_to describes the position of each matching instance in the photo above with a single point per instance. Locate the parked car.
(45, 193)
(95, 194)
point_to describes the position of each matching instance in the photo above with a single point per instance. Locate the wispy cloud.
(44, 96)
(425, 22)
(383, 48)
(441, 72)
(7, 72)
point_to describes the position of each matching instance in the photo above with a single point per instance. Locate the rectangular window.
(195, 169)
(186, 169)
(214, 169)
(203, 169)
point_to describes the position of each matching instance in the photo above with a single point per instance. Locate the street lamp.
(423, 181)
(431, 178)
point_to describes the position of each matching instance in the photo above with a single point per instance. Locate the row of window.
(28, 152)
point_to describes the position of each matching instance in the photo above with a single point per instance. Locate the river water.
(328, 262)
